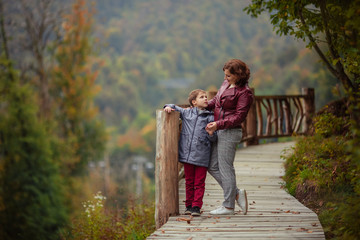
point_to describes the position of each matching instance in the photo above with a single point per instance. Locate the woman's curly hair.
(240, 69)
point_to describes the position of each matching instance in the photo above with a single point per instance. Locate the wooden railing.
(279, 116)
(269, 117)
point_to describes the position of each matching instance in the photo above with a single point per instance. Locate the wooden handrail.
(280, 116)
(268, 117)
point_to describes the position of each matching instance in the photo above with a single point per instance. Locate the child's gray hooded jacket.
(195, 142)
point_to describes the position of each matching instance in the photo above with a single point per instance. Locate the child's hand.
(168, 109)
(210, 132)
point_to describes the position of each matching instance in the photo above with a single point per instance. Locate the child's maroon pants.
(195, 184)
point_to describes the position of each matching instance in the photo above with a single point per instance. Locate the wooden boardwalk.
(273, 213)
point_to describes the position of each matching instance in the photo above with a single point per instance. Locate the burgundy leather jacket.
(231, 105)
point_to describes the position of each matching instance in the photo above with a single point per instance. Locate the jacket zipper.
(192, 137)
(221, 110)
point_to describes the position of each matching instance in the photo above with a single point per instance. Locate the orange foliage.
(304, 52)
(134, 140)
(149, 128)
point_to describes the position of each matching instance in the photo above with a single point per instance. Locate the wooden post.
(251, 125)
(166, 167)
(309, 107)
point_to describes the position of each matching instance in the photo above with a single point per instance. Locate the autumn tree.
(81, 134)
(330, 27)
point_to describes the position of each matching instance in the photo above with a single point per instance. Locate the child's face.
(201, 101)
(231, 78)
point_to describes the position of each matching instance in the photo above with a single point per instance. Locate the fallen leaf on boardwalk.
(216, 217)
(295, 212)
(190, 238)
(314, 224)
(275, 212)
(288, 228)
(228, 217)
(188, 229)
(254, 202)
(309, 231)
(301, 229)
(163, 231)
(188, 220)
(287, 211)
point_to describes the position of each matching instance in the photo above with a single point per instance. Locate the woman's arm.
(243, 105)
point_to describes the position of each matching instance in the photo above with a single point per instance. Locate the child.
(194, 147)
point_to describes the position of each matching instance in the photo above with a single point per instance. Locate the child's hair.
(240, 69)
(193, 95)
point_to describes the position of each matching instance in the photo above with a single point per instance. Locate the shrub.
(323, 173)
(97, 223)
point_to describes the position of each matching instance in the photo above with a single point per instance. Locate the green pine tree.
(31, 204)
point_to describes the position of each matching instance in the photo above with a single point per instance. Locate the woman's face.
(231, 78)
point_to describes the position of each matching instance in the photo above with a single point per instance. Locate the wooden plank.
(273, 213)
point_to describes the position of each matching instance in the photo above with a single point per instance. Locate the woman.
(230, 105)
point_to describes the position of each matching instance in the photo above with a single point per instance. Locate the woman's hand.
(168, 109)
(211, 127)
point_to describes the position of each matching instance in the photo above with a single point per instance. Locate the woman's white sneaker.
(222, 211)
(242, 201)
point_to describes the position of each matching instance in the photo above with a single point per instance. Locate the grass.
(323, 173)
